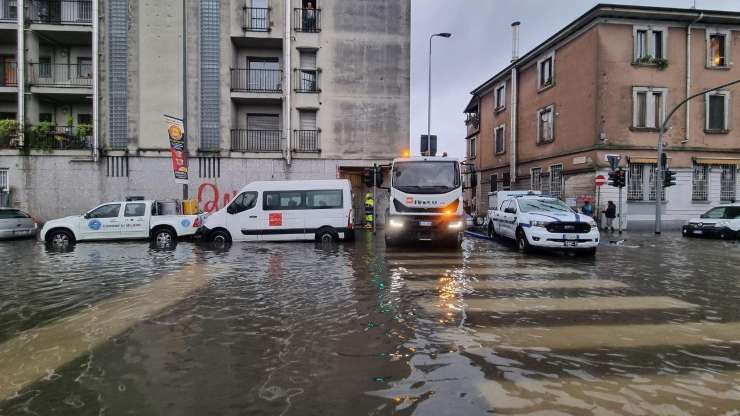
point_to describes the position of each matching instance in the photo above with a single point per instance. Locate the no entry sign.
(600, 180)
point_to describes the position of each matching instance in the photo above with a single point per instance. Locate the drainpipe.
(688, 75)
(287, 111)
(20, 71)
(96, 123)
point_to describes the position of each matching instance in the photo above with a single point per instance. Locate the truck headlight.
(394, 223)
(456, 225)
(542, 224)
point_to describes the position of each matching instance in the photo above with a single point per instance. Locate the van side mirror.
(86, 216)
(231, 209)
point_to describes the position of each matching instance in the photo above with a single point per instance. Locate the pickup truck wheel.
(60, 238)
(164, 237)
(521, 241)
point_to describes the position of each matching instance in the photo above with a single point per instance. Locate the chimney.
(515, 41)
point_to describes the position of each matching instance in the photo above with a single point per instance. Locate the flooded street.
(650, 326)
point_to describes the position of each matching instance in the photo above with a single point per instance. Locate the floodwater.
(651, 326)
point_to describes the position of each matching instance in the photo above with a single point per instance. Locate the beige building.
(601, 86)
(277, 89)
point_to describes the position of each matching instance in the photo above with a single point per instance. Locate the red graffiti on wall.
(209, 197)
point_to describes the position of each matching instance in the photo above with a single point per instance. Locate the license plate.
(698, 232)
(571, 237)
(570, 243)
(425, 223)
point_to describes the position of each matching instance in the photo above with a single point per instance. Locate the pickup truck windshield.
(543, 205)
(426, 177)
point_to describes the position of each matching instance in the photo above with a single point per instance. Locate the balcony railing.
(256, 19)
(50, 137)
(61, 12)
(255, 141)
(9, 75)
(8, 10)
(257, 80)
(307, 80)
(306, 141)
(60, 75)
(307, 20)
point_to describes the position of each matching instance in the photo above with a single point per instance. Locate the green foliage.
(84, 130)
(42, 128)
(8, 128)
(70, 120)
(660, 63)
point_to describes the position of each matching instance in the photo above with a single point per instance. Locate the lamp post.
(658, 163)
(429, 101)
(185, 193)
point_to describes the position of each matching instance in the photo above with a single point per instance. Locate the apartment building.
(602, 86)
(276, 89)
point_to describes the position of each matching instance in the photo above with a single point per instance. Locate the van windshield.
(426, 177)
(543, 205)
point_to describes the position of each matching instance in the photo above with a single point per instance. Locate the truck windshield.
(542, 205)
(426, 177)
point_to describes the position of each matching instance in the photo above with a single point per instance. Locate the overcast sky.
(480, 47)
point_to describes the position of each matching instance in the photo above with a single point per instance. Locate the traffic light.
(368, 178)
(669, 178)
(618, 178)
(613, 178)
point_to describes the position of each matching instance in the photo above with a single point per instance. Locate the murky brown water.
(651, 326)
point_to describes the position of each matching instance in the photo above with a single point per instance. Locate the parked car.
(537, 221)
(285, 211)
(722, 221)
(122, 220)
(15, 223)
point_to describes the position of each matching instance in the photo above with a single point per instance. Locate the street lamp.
(429, 101)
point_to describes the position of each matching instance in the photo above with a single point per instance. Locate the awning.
(643, 160)
(716, 161)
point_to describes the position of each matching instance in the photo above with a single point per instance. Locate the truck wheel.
(521, 241)
(164, 237)
(60, 238)
(327, 236)
(220, 237)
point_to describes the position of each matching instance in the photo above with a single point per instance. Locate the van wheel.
(220, 237)
(164, 237)
(521, 241)
(327, 236)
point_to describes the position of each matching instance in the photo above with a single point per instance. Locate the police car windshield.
(543, 205)
(426, 177)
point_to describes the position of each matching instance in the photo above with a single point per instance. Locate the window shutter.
(307, 120)
(308, 59)
(263, 122)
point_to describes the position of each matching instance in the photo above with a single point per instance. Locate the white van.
(285, 211)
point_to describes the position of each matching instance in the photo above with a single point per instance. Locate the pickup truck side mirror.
(87, 215)
(510, 210)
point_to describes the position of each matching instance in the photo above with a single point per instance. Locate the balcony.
(60, 75)
(256, 19)
(257, 80)
(306, 141)
(255, 141)
(307, 20)
(61, 12)
(8, 11)
(307, 80)
(45, 136)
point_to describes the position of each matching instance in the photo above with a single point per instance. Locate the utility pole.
(429, 98)
(185, 193)
(660, 169)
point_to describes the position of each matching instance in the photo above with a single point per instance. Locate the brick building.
(601, 86)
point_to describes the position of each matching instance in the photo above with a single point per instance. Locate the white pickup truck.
(122, 220)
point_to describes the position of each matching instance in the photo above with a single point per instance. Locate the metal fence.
(307, 80)
(307, 20)
(700, 183)
(256, 141)
(306, 141)
(57, 138)
(257, 80)
(8, 10)
(728, 183)
(60, 75)
(256, 19)
(57, 12)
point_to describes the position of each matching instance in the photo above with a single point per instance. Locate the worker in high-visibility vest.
(369, 204)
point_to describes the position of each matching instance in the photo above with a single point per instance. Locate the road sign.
(600, 180)
(614, 161)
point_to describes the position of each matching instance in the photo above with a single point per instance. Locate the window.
(728, 183)
(494, 183)
(718, 47)
(11, 214)
(535, 181)
(84, 119)
(45, 67)
(243, 202)
(651, 184)
(717, 106)
(636, 182)
(649, 107)
(4, 182)
(284, 200)
(7, 116)
(501, 97)
(556, 181)
(545, 125)
(135, 210)
(45, 117)
(472, 150)
(330, 199)
(716, 213)
(308, 74)
(84, 67)
(265, 122)
(263, 74)
(546, 71)
(106, 211)
(700, 183)
(650, 44)
(506, 185)
(500, 139)
(307, 120)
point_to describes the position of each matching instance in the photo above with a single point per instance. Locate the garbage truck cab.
(425, 201)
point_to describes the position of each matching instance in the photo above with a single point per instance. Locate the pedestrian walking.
(587, 209)
(610, 213)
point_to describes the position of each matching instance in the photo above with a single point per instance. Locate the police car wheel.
(521, 241)
(59, 238)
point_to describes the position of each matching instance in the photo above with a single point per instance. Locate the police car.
(722, 221)
(538, 221)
